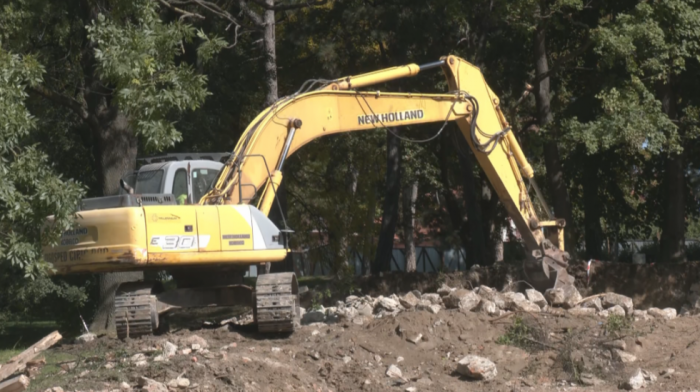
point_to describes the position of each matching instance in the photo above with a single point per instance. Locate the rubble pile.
(362, 309)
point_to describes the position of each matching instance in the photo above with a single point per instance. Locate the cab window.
(180, 184)
(202, 181)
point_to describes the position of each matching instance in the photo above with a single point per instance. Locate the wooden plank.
(19, 361)
(17, 384)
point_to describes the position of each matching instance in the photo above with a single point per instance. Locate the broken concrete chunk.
(616, 310)
(194, 339)
(476, 367)
(445, 290)
(149, 385)
(618, 344)
(491, 295)
(433, 298)
(623, 356)
(664, 314)
(594, 303)
(169, 349)
(591, 380)
(415, 339)
(409, 301)
(387, 304)
(488, 307)
(314, 316)
(84, 338)
(462, 299)
(611, 299)
(434, 309)
(566, 297)
(536, 297)
(394, 372)
(639, 379)
(364, 310)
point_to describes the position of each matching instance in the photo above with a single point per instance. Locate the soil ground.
(289, 363)
(532, 352)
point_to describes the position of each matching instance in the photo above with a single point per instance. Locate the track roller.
(135, 311)
(276, 300)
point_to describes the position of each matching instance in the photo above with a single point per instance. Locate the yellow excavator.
(225, 233)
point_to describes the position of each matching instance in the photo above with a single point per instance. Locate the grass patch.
(517, 334)
(615, 325)
(525, 334)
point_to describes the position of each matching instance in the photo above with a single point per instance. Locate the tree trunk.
(457, 218)
(673, 222)
(115, 154)
(592, 209)
(115, 149)
(270, 55)
(390, 215)
(552, 158)
(410, 194)
(477, 243)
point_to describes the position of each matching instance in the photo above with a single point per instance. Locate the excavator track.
(276, 300)
(135, 310)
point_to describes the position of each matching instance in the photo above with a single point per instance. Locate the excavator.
(228, 230)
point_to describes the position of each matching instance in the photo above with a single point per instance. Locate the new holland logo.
(384, 118)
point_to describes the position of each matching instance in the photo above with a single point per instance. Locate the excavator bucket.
(546, 269)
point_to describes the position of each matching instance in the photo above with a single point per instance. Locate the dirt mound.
(409, 342)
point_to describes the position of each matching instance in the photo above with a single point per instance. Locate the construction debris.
(16, 384)
(18, 363)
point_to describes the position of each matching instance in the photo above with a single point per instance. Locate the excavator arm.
(255, 168)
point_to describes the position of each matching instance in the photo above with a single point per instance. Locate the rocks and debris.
(19, 361)
(610, 300)
(639, 379)
(622, 356)
(85, 338)
(16, 384)
(476, 367)
(195, 339)
(663, 314)
(667, 373)
(393, 371)
(169, 349)
(462, 299)
(536, 297)
(149, 385)
(566, 299)
(590, 380)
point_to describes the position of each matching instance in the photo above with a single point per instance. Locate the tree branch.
(256, 18)
(62, 100)
(555, 67)
(185, 14)
(286, 7)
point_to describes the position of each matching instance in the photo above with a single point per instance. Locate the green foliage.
(31, 188)
(137, 55)
(518, 334)
(615, 325)
(319, 297)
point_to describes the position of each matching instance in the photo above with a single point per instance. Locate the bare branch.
(62, 100)
(286, 7)
(255, 17)
(184, 14)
